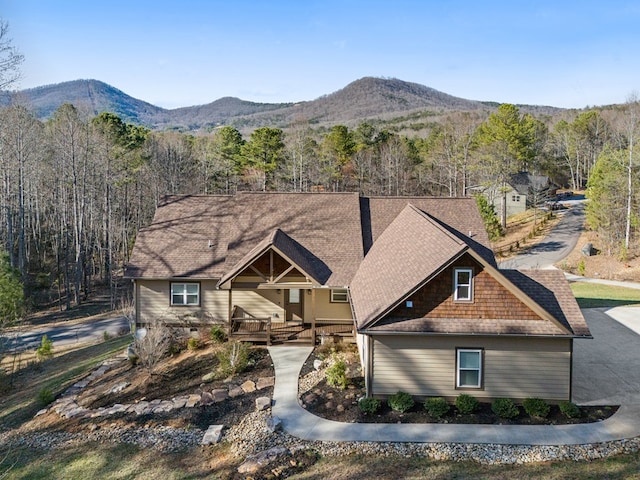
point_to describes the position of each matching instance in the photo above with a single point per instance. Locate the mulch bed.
(340, 405)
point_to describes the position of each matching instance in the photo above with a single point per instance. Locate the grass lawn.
(593, 295)
(108, 461)
(54, 375)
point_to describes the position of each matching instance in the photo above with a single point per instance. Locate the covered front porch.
(278, 294)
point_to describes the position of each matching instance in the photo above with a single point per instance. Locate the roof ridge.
(433, 221)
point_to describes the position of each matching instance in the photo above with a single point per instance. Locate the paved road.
(559, 243)
(63, 334)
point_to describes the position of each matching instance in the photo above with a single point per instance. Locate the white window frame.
(340, 295)
(459, 369)
(182, 289)
(457, 285)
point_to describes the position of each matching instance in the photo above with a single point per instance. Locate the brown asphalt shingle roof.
(325, 227)
(459, 216)
(176, 244)
(413, 248)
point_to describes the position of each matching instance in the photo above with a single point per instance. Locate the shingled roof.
(208, 236)
(187, 238)
(410, 251)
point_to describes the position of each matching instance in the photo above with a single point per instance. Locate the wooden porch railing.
(244, 326)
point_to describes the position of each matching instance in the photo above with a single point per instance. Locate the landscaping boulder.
(212, 435)
(587, 250)
(274, 424)
(262, 403)
(255, 462)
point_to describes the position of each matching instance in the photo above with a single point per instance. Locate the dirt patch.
(600, 265)
(326, 401)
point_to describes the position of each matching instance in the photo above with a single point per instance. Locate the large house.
(412, 279)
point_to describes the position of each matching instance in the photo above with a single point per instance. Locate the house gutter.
(467, 334)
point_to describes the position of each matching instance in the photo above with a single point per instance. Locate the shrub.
(45, 396)
(337, 374)
(536, 407)
(505, 408)
(401, 402)
(436, 407)
(466, 404)
(569, 409)
(193, 344)
(45, 350)
(233, 358)
(106, 336)
(369, 405)
(218, 334)
(582, 268)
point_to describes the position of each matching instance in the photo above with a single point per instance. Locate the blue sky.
(190, 52)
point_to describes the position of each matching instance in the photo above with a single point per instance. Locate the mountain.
(366, 98)
(91, 94)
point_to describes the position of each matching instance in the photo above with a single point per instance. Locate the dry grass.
(21, 403)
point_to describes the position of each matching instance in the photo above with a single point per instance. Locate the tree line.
(76, 188)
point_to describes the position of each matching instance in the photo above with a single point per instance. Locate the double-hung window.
(339, 295)
(463, 284)
(185, 294)
(468, 368)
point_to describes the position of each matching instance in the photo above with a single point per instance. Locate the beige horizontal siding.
(263, 303)
(153, 298)
(338, 312)
(516, 368)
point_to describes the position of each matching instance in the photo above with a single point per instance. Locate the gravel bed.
(251, 436)
(162, 438)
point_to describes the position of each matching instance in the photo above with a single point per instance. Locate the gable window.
(463, 284)
(515, 198)
(339, 295)
(468, 368)
(185, 294)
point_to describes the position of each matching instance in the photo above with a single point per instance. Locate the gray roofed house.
(412, 280)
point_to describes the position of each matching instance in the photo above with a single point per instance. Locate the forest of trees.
(75, 189)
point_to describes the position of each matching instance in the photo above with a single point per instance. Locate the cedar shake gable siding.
(494, 309)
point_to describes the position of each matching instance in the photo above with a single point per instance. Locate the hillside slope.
(366, 98)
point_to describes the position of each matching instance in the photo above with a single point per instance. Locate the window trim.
(184, 294)
(339, 291)
(456, 285)
(480, 369)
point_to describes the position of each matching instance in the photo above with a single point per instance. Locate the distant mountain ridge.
(366, 98)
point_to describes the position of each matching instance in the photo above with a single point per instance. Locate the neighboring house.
(413, 279)
(523, 190)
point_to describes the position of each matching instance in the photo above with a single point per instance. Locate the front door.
(294, 304)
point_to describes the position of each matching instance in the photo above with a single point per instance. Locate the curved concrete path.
(299, 422)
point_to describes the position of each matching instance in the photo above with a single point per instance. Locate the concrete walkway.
(299, 422)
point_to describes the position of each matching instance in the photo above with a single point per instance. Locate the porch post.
(313, 316)
(230, 312)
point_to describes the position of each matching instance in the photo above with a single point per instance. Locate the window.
(294, 295)
(339, 295)
(469, 368)
(515, 198)
(463, 285)
(185, 294)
